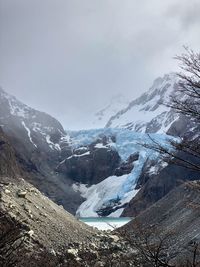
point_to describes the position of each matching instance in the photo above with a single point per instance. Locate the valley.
(79, 167)
(109, 178)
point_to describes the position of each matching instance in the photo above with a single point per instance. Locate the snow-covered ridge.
(148, 113)
(16, 107)
(116, 191)
(38, 128)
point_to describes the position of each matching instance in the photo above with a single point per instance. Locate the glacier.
(116, 191)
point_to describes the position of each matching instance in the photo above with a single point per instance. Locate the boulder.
(22, 193)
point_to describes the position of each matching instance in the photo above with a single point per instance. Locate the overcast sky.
(69, 57)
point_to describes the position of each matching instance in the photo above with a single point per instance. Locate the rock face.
(8, 164)
(90, 165)
(127, 166)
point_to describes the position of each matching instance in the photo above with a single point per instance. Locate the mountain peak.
(147, 113)
(160, 82)
(100, 118)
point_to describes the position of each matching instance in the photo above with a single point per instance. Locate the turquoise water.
(105, 223)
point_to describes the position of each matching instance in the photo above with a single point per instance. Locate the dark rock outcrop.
(92, 166)
(127, 166)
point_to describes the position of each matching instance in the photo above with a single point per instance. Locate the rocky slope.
(54, 226)
(176, 215)
(44, 234)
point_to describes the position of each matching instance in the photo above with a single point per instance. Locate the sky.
(69, 58)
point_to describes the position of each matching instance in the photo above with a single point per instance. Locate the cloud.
(69, 58)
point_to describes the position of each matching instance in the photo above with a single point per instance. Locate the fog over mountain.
(69, 58)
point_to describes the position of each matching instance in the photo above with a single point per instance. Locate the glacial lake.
(106, 223)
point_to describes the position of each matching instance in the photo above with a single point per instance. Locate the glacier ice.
(117, 190)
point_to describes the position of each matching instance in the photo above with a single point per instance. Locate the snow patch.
(99, 145)
(29, 133)
(78, 156)
(51, 144)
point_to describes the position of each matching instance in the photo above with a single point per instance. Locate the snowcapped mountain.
(37, 129)
(100, 118)
(147, 114)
